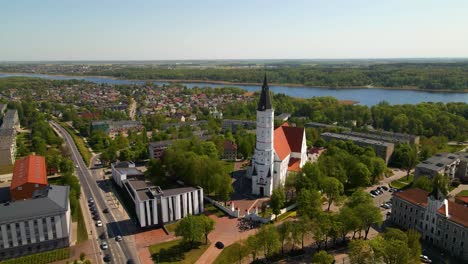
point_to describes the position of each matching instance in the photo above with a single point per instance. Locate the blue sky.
(240, 29)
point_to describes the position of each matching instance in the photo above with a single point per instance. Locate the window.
(20, 188)
(36, 185)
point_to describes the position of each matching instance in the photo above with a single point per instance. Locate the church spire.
(265, 102)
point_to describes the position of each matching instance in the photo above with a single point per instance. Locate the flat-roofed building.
(10, 119)
(154, 206)
(462, 170)
(29, 175)
(441, 163)
(232, 125)
(396, 138)
(382, 149)
(7, 146)
(326, 126)
(441, 222)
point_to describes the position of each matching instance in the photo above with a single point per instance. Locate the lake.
(364, 96)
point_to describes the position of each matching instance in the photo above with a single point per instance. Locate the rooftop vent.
(439, 165)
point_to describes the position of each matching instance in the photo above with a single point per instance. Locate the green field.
(463, 193)
(41, 258)
(80, 144)
(402, 182)
(176, 251)
(229, 254)
(82, 232)
(171, 227)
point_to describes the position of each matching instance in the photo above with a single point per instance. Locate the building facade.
(441, 163)
(229, 150)
(10, 124)
(441, 222)
(154, 206)
(395, 138)
(277, 151)
(232, 125)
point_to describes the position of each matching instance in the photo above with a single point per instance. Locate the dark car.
(96, 217)
(130, 261)
(103, 235)
(106, 210)
(118, 238)
(107, 258)
(384, 187)
(219, 245)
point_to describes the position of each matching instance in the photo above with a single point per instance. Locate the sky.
(33, 30)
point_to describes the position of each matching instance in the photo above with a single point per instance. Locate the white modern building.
(154, 206)
(277, 151)
(34, 225)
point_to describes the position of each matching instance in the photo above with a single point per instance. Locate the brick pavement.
(147, 238)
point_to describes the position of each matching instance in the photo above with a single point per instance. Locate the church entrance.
(262, 192)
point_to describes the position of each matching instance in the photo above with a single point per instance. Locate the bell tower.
(262, 171)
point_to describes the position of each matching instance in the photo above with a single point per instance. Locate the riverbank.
(404, 88)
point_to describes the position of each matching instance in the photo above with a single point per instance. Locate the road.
(120, 251)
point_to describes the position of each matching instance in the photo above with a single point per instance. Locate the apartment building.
(10, 124)
(391, 137)
(441, 222)
(232, 124)
(441, 163)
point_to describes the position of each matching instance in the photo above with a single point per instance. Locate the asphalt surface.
(120, 251)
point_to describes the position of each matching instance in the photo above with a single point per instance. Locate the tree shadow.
(175, 253)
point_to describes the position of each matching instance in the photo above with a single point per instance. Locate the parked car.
(106, 210)
(103, 235)
(130, 261)
(118, 238)
(425, 259)
(104, 245)
(219, 245)
(384, 187)
(99, 223)
(90, 200)
(107, 258)
(371, 195)
(96, 217)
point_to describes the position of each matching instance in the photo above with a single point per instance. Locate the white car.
(76, 166)
(99, 223)
(425, 259)
(104, 245)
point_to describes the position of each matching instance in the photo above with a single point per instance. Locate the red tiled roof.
(294, 164)
(30, 169)
(281, 144)
(228, 145)
(414, 195)
(294, 135)
(457, 213)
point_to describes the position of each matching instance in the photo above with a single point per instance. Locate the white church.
(277, 151)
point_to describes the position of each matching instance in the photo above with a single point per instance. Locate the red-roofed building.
(230, 150)
(277, 151)
(440, 221)
(29, 175)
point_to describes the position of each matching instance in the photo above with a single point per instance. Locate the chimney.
(446, 208)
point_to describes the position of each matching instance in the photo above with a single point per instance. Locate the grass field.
(171, 227)
(176, 251)
(80, 144)
(82, 232)
(41, 258)
(214, 210)
(402, 183)
(287, 215)
(463, 193)
(228, 255)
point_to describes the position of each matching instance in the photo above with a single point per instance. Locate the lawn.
(79, 142)
(176, 251)
(82, 232)
(214, 210)
(463, 193)
(402, 182)
(171, 227)
(41, 258)
(228, 255)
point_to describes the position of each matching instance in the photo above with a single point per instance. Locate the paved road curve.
(121, 251)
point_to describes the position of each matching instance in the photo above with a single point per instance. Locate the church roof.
(288, 139)
(265, 101)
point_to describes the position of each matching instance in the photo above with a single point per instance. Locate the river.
(364, 96)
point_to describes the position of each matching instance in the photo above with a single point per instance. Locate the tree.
(82, 256)
(189, 228)
(207, 225)
(368, 215)
(414, 244)
(405, 156)
(423, 182)
(378, 166)
(333, 189)
(268, 238)
(360, 175)
(284, 232)
(322, 257)
(360, 252)
(253, 246)
(309, 203)
(442, 183)
(277, 200)
(301, 228)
